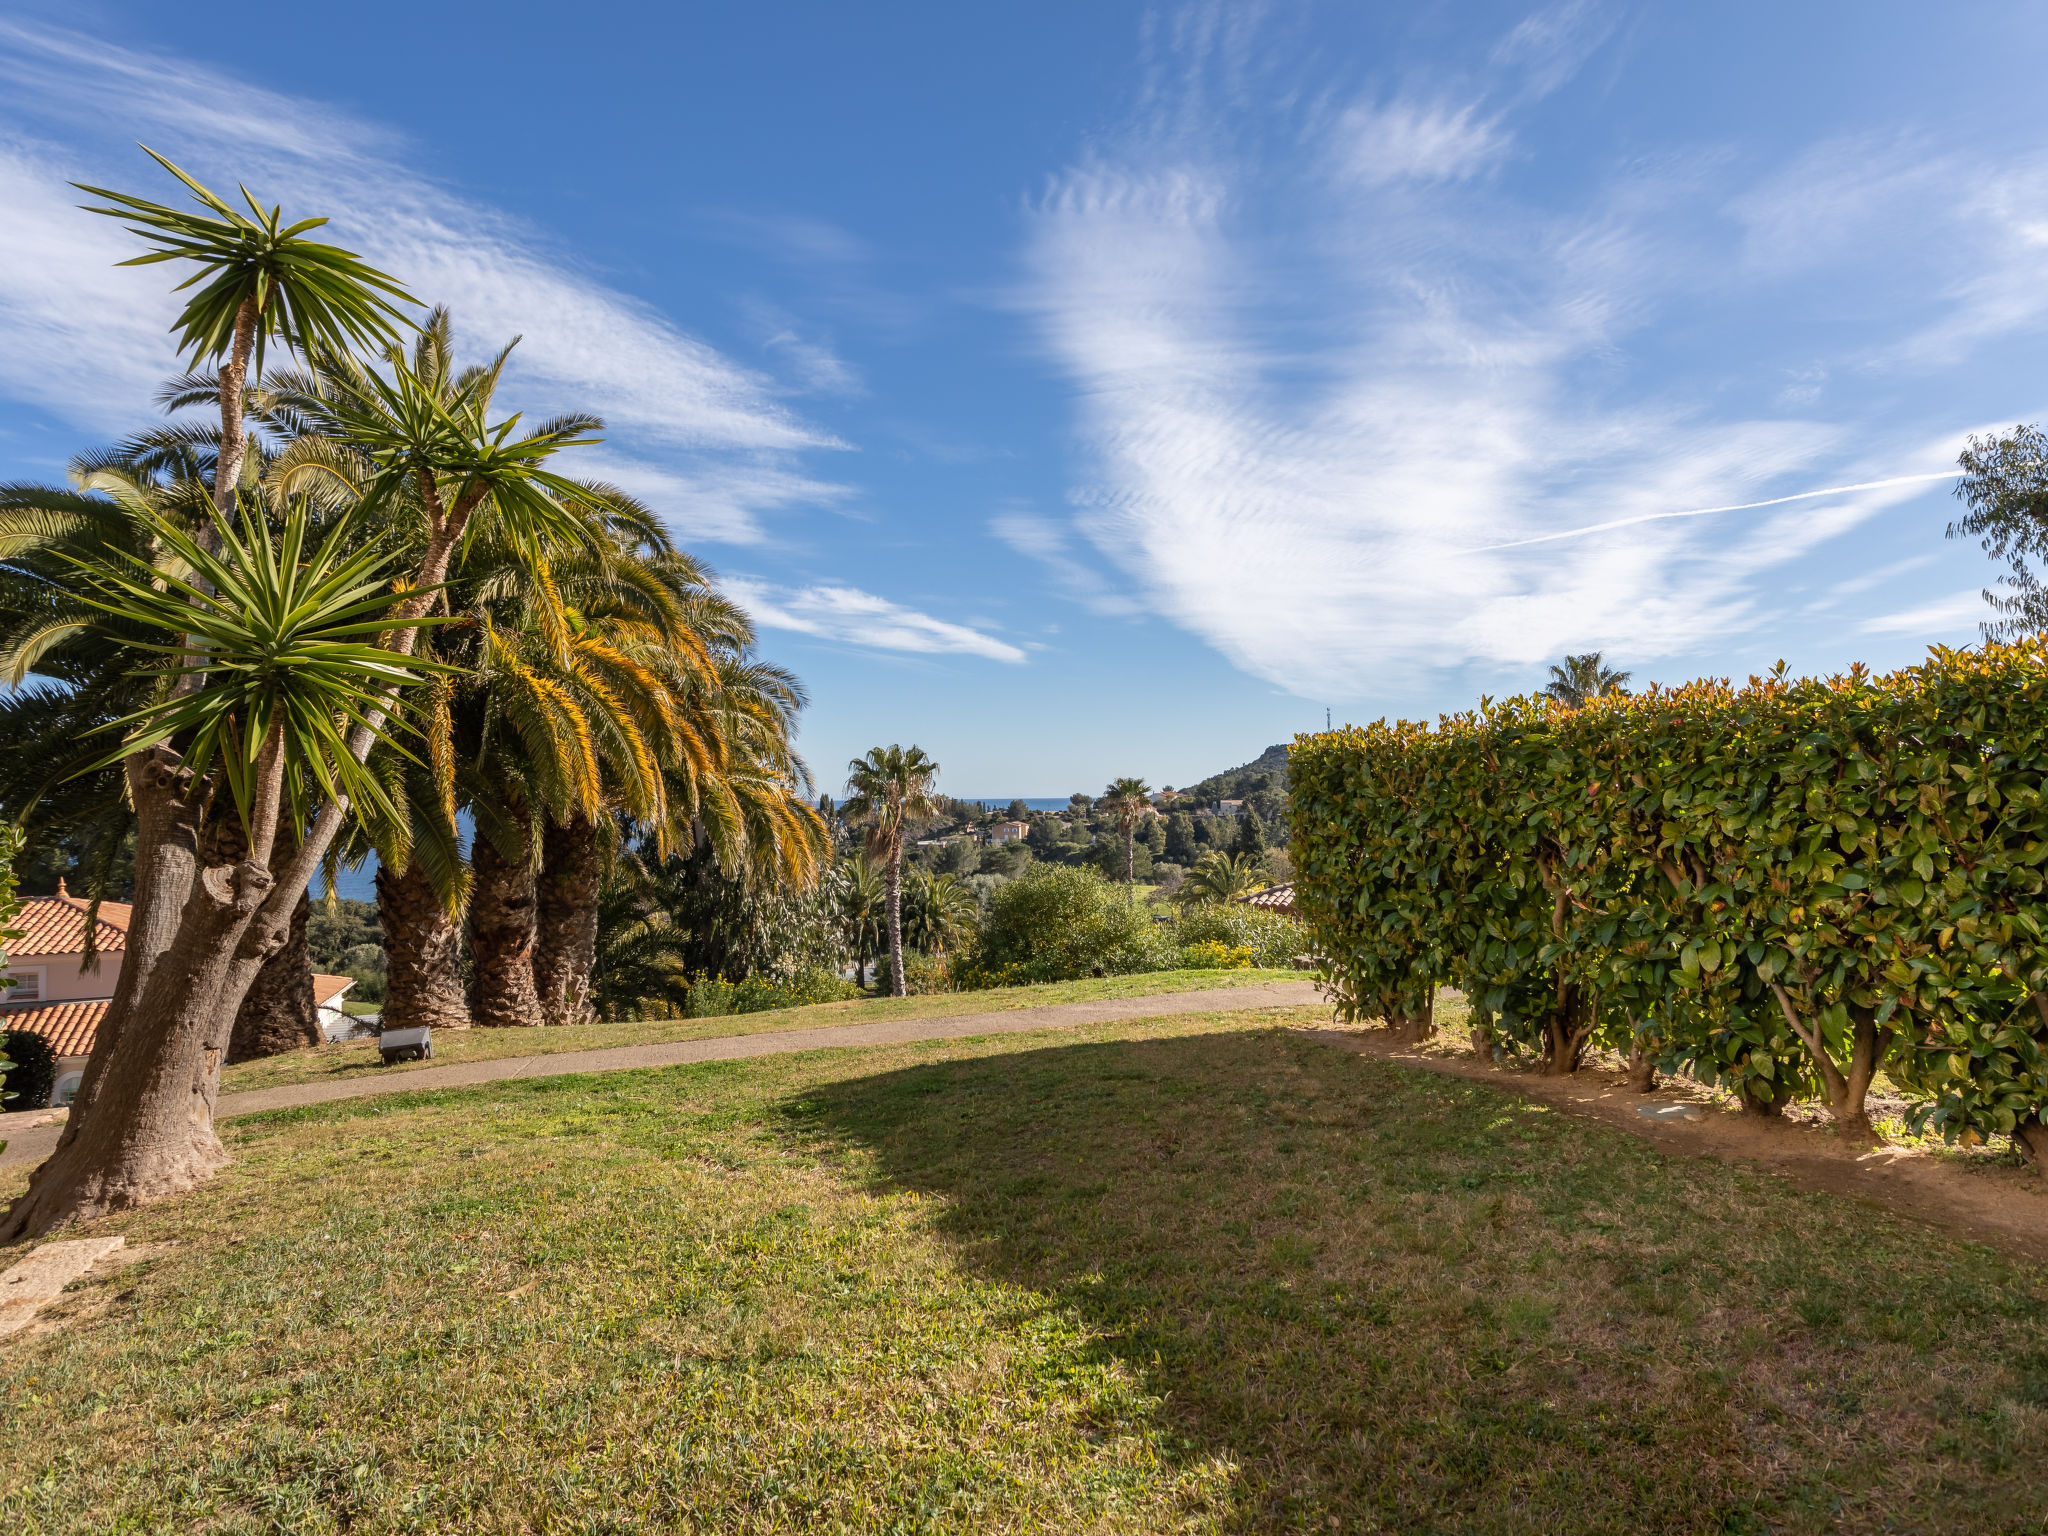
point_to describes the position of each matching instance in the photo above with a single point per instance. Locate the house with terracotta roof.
(53, 989)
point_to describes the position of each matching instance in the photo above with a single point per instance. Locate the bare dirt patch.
(2005, 1207)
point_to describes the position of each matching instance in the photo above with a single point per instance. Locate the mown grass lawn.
(1194, 1275)
(356, 1058)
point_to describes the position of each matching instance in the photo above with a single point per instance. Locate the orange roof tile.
(1274, 898)
(328, 989)
(69, 1027)
(55, 925)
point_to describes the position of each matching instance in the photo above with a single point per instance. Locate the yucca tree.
(1582, 678)
(891, 790)
(258, 278)
(1126, 801)
(284, 634)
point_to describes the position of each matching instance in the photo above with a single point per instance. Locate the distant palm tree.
(1219, 877)
(938, 910)
(1582, 678)
(864, 912)
(1126, 800)
(891, 788)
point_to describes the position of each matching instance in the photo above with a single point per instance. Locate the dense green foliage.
(28, 1070)
(713, 997)
(1055, 924)
(1786, 885)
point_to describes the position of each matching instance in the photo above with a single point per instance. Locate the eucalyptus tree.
(1126, 800)
(889, 791)
(2004, 488)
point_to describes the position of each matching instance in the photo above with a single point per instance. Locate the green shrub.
(1271, 938)
(1787, 885)
(1062, 922)
(1215, 955)
(713, 997)
(27, 1070)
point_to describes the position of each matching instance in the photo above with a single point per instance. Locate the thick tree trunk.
(142, 1126)
(895, 887)
(1566, 1031)
(2032, 1138)
(166, 858)
(422, 954)
(279, 1014)
(501, 940)
(149, 1133)
(565, 953)
(1642, 1063)
(1411, 1023)
(1482, 1033)
(1846, 1091)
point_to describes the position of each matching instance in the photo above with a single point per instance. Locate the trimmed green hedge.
(1786, 885)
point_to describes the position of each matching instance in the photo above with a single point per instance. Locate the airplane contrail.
(1656, 517)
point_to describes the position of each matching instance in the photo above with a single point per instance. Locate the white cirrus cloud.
(89, 342)
(849, 616)
(1413, 141)
(1399, 427)
(1959, 614)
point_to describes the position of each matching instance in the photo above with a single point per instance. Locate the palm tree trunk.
(148, 1133)
(279, 1014)
(566, 951)
(422, 954)
(501, 940)
(896, 987)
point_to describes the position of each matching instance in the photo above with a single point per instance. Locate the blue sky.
(1097, 388)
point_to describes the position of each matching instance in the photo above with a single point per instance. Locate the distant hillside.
(1267, 771)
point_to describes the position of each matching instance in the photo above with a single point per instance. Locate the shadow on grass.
(1397, 1301)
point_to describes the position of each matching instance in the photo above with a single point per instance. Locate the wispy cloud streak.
(849, 616)
(87, 341)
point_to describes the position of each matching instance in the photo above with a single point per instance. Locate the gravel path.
(27, 1143)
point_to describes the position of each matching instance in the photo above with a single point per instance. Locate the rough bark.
(895, 903)
(279, 1014)
(1642, 1064)
(1846, 1091)
(422, 954)
(1482, 1033)
(2032, 1137)
(166, 858)
(1412, 1023)
(1566, 1031)
(149, 1132)
(502, 930)
(565, 952)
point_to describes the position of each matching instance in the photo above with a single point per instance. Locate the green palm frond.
(309, 293)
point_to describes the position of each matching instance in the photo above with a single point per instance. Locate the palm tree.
(1219, 877)
(938, 912)
(864, 911)
(266, 280)
(283, 629)
(1126, 800)
(891, 789)
(1582, 678)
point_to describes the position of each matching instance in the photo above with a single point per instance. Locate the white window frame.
(10, 990)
